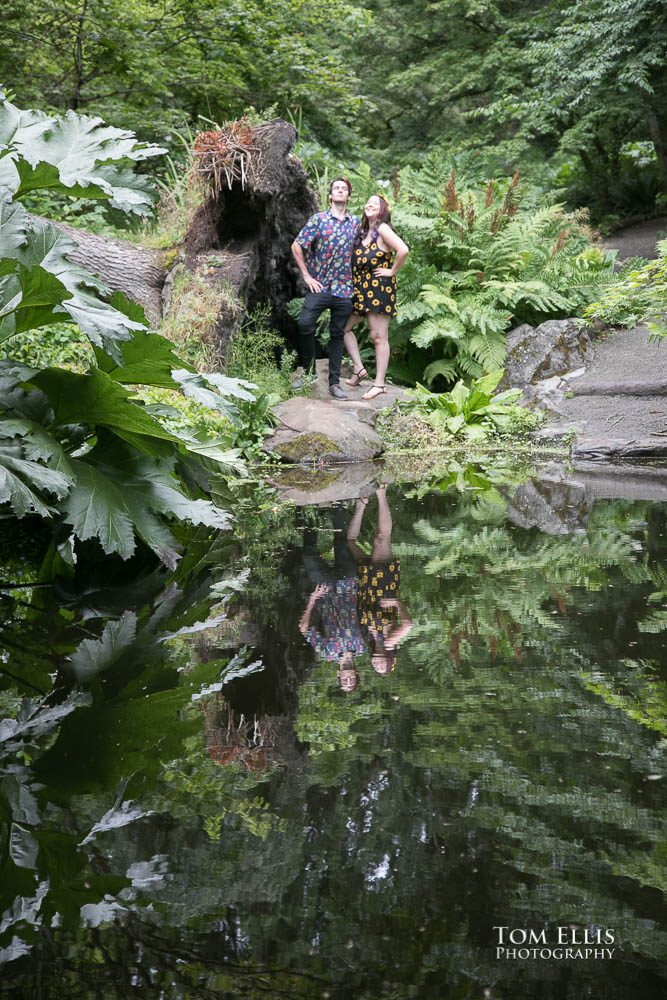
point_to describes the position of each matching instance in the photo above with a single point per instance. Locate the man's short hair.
(344, 181)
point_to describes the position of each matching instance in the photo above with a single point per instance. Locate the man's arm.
(304, 622)
(312, 284)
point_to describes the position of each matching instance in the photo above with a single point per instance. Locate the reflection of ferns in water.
(494, 590)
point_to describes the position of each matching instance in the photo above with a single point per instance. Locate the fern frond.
(446, 369)
(489, 351)
(438, 328)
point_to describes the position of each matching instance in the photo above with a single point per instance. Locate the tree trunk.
(125, 267)
(658, 140)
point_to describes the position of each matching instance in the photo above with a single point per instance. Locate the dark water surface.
(200, 811)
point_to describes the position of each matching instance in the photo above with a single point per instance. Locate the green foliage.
(565, 92)
(598, 81)
(473, 411)
(78, 447)
(63, 345)
(73, 155)
(636, 691)
(639, 296)
(482, 263)
(154, 68)
(256, 351)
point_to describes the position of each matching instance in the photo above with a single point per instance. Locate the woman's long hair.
(384, 216)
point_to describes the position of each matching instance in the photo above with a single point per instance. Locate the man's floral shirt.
(328, 241)
(338, 616)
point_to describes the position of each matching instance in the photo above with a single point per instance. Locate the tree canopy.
(577, 86)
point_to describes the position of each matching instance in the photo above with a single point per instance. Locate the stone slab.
(319, 431)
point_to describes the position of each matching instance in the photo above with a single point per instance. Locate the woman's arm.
(395, 243)
(397, 632)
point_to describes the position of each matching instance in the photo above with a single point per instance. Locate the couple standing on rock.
(349, 267)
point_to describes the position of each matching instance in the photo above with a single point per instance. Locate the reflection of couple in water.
(357, 600)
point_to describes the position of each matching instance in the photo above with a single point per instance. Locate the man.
(327, 237)
(334, 601)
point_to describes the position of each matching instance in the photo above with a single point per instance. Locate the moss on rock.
(307, 447)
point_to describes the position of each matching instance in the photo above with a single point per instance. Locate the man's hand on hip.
(312, 284)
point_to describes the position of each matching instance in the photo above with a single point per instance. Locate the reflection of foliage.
(636, 692)
(497, 590)
(430, 800)
(657, 620)
(220, 795)
(333, 723)
(266, 530)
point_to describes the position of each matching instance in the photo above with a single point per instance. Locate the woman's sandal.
(357, 378)
(374, 392)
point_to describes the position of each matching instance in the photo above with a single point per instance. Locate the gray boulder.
(321, 431)
(552, 348)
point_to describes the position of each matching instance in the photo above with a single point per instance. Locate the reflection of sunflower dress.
(371, 294)
(377, 580)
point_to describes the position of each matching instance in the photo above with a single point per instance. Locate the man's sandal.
(374, 392)
(357, 378)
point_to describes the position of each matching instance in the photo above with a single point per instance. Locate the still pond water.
(192, 807)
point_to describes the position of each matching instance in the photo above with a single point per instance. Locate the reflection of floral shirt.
(329, 242)
(338, 615)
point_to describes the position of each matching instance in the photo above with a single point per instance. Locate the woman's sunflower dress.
(371, 294)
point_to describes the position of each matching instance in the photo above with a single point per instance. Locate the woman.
(382, 613)
(377, 255)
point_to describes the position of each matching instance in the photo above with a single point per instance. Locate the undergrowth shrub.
(192, 319)
(639, 296)
(256, 351)
(428, 420)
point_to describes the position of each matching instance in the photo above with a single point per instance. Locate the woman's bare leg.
(351, 345)
(379, 327)
(382, 541)
(355, 527)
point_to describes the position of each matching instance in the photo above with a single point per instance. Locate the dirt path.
(638, 240)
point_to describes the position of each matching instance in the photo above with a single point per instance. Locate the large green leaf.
(38, 445)
(29, 298)
(147, 359)
(22, 481)
(96, 399)
(127, 494)
(14, 228)
(94, 655)
(15, 400)
(39, 247)
(74, 154)
(95, 509)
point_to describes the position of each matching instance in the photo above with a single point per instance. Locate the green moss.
(170, 258)
(307, 446)
(193, 316)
